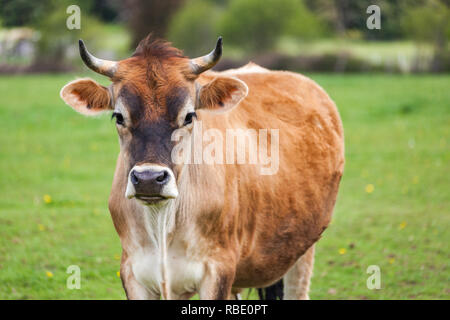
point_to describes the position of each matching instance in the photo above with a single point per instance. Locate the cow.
(213, 228)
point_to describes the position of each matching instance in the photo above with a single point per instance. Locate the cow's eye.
(189, 117)
(119, 118)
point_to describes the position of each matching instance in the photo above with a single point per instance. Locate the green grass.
(397, 131)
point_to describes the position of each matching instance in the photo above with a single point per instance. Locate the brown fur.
(94, 95)
(264, 216)
(265, 223)
(215, 92)
(250, 229)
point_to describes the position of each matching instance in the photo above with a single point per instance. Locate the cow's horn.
(105, 67)
(201, 64)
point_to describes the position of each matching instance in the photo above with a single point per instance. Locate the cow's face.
(153, 94)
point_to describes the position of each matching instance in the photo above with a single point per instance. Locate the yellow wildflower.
(47, 199)
(369, 188)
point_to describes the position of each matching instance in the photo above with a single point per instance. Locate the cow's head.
(153, 93)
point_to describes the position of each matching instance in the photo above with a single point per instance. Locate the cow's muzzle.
(151, 184)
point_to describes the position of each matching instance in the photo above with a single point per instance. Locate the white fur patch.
(181, 275)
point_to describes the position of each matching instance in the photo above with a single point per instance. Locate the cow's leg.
(297, 279)
(133, 289)
(236, 294)
(216, 284)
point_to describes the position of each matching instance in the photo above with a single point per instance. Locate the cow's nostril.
(162, 178)
(133, 178)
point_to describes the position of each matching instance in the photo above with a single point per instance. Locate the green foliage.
(55, 38)
(193, 27)
(427, 22)
(17, 13)
(347, 17)
(256, 25)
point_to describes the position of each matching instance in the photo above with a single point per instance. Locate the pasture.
(393, 209)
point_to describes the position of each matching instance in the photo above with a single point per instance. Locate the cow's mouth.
(150, 199)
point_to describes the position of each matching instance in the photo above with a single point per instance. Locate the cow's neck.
(161, 224)
(154, 229)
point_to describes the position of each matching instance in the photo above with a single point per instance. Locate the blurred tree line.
(250, 25)
(256, 25)
(48, 18)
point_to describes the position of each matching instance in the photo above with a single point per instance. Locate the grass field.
(393, 210)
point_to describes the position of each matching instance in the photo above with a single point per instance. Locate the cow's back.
(278, 217)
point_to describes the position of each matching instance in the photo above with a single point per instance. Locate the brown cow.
(213, 228)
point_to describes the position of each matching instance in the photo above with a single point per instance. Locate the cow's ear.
(86, 96)
(221, 94)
